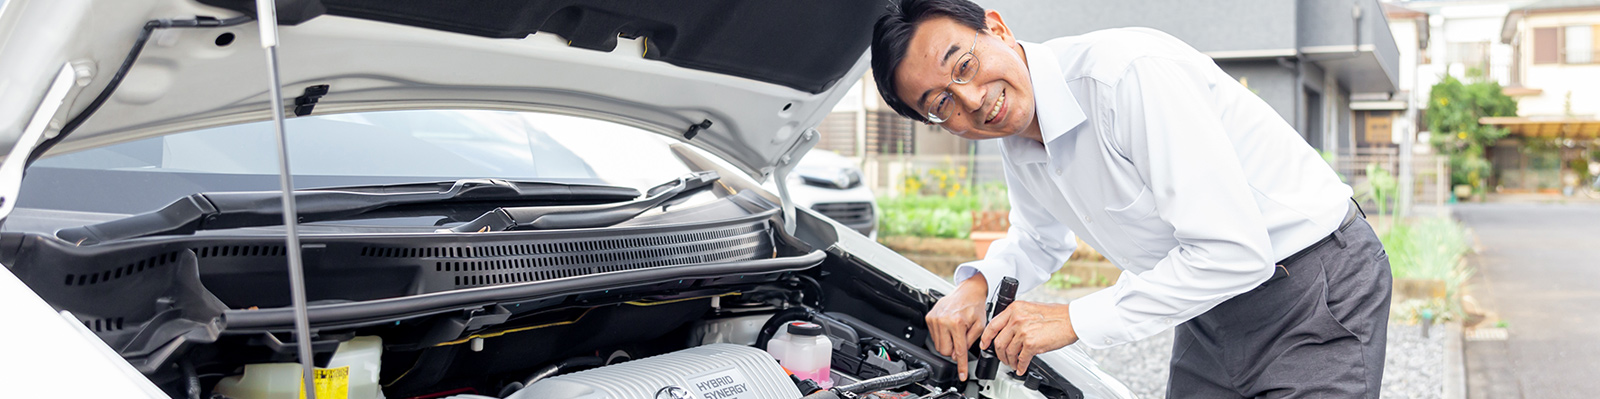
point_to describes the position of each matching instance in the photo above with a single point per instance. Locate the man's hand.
(1027, 329)
(957, 320)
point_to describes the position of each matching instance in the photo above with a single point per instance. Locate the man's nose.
(969, 95)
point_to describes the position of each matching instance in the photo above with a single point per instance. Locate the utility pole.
(861, 123)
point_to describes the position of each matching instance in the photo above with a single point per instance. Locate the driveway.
(1539, 269)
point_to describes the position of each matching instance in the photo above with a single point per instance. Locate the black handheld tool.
(988, 365)
(1003, 299)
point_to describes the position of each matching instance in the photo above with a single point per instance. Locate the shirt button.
(1058, 171)
(1108, 341)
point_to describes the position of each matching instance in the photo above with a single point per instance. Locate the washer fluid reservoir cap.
(804, 328)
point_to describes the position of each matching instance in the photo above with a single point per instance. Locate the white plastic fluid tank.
(802, 349)
(352, 373)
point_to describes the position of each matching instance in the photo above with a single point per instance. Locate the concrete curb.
(1455, 369)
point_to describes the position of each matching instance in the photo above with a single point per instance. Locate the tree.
(1454, 108)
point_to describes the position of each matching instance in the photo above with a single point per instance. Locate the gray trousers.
(1319, 332)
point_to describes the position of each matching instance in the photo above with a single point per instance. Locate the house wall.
(1405, 34)
(1273, 82)
(1557, 80)
(1234, 25)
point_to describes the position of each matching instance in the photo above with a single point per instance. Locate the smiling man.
(1228, 226)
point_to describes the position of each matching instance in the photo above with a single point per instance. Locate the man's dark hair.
(892, 35)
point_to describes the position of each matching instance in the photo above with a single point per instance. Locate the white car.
(496, 198)
(833, 186)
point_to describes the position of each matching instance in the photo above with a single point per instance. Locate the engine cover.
(716, 371)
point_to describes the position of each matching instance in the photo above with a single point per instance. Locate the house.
(1555, 76)
(1555, 66)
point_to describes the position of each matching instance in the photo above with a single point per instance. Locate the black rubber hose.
(809, 282)
(193, 380)
(895, 380)
(122, 71)
(777, 321)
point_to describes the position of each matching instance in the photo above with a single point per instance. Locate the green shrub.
(1430, 249)
(927, 216)
(1454, 109)
(1379, 187)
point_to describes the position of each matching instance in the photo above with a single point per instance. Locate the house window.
(1575, 44)
(1471, 54)
(1546, 46)
(1579, 44)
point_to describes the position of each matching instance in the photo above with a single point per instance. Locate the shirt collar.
(1058, 111)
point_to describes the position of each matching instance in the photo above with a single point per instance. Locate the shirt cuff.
(993, 271)
(1095, 320)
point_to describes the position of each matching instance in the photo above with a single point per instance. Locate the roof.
(1395, 11)
(1533, 127)
(1508, 28)
(1559, 5)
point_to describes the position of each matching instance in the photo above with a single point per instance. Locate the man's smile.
(996, 109)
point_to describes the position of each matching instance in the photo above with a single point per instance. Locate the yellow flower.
(1462, 135)
(1444, 101)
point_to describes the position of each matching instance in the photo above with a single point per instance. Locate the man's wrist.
(1066, 314)
(976, 279)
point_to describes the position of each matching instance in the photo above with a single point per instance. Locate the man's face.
(997, 102)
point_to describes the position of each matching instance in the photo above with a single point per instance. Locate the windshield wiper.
(583, 216)
(226, 210)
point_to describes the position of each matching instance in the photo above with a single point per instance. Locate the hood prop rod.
(267, 20)
(786, 163)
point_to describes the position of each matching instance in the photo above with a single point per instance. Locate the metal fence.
(887, 174)
(1430, 184)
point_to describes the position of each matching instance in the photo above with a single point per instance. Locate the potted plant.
(988, 226)
(992, 218)
(1463, 192)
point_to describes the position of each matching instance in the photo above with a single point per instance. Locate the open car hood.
(762, 73)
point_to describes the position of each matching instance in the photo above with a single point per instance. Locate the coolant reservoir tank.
(351, 374)
(805, 351)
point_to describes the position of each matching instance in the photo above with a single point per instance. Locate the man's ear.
(997, 26)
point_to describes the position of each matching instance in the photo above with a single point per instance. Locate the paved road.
(1539, 269)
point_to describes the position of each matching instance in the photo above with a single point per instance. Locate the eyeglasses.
(962, 72)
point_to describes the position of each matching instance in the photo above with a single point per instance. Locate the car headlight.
(842, 180)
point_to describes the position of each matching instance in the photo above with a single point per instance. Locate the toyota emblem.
(672, 392)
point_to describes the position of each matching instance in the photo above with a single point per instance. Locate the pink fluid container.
(802, 349)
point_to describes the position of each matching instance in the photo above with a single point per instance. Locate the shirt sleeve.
(1035, 245)
(1167, 116)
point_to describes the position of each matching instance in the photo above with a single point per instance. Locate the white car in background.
(834, 186)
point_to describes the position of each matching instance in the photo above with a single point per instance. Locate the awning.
(1536, 127)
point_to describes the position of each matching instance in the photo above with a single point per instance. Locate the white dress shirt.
(1182, 177)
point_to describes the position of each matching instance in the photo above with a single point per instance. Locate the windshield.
(351, 149)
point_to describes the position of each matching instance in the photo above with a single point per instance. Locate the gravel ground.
(1413, 368)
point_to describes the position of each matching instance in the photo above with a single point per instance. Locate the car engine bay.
(680, 304)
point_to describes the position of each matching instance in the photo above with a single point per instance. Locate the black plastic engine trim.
(357, 314)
